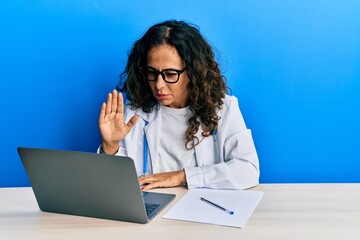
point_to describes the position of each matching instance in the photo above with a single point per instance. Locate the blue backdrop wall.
(294, 65)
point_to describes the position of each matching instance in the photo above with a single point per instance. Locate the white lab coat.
(227, 160)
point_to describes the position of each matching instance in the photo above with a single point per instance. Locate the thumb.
(132, 121)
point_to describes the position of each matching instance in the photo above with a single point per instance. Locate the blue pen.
(217, 206)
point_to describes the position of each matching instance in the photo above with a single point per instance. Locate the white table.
(287, 211)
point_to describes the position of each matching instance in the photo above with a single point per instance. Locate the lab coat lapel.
(153, 136)
(207, 150)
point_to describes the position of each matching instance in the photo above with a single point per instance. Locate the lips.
(161, 96)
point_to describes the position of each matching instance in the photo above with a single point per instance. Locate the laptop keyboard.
(150, 207)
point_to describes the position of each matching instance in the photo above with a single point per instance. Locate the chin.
(165, 102)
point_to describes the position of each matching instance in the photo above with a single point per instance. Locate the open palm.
(111, 122)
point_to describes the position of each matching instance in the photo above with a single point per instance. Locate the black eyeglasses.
(169, 75)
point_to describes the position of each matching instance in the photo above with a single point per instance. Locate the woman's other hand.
(112, 127)
(159, 180)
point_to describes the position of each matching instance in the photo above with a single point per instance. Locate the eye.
(151, 74)
(171, 74)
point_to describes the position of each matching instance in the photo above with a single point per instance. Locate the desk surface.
(287, 211)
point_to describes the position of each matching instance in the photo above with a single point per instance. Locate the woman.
(179, 125)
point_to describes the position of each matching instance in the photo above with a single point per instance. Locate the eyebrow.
(152, 68)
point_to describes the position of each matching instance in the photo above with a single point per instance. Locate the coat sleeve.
(238, 164)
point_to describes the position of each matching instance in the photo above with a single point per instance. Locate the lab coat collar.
(148, 117)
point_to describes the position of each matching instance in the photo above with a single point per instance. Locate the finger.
(142, 181)
(140, 178)
(147, 180)
(108, 104)
(114, 101)
(152, 185)
(120, 104)
(149, 186)
(102, 112)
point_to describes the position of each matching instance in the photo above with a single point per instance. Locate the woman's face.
(173, 95)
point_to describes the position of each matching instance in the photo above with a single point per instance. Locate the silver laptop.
(90, 184)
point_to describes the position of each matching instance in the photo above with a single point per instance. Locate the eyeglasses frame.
(162, 73)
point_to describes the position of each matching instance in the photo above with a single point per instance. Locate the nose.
(160, 83)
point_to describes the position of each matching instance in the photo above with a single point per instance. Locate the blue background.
(294, 65)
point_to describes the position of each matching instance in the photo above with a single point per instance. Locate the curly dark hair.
(207, 87)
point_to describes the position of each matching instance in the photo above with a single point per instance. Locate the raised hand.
(112, 126)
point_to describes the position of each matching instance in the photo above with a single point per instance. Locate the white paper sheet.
(191, 208)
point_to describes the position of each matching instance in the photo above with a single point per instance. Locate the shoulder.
(229, 103)
(230, 114)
